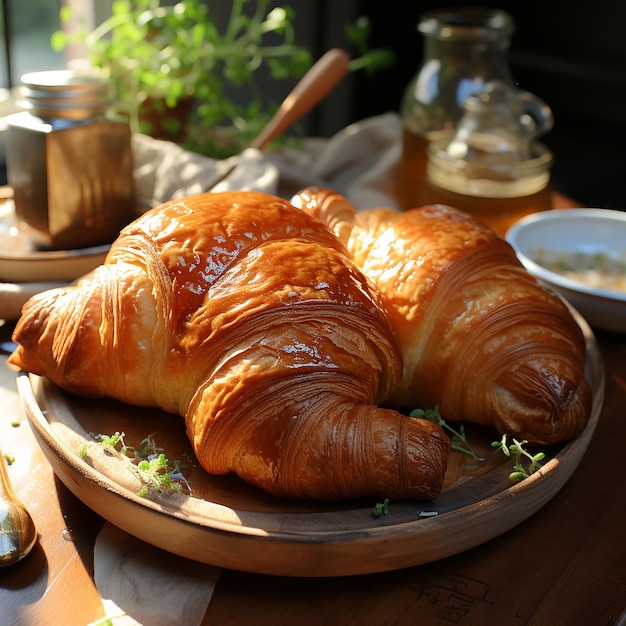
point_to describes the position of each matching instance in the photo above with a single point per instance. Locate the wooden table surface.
(566, 565)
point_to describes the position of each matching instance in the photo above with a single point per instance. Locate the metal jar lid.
(65, 94)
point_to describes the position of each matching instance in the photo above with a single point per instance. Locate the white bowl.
(586, 231)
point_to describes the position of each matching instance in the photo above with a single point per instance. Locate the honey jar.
(69, 163)
(492, 167)
(463, 49)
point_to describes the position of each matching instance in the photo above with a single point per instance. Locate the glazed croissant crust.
(246, 316)
(480, 337)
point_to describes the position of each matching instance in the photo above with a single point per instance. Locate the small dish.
(22, 262)
(594, 235)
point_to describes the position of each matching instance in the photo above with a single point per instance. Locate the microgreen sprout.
(381, 508)
(156, 471)
(458, 439)
(519, 455)
(112, 440)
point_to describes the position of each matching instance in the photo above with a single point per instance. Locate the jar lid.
(64, 93)
(467, 23)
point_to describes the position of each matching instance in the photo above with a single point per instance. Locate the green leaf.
(381, 508)
(520, 455)
(359, 33)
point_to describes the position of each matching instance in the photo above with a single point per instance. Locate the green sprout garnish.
(458, 439)
(516, 450)
(519, 454)
(458, 442)
(156, 471)
(381, 508)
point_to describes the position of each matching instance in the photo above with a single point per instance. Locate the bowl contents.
(580, 254)
(599, 270)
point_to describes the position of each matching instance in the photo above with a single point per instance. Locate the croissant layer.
(247, 317)
(480, 337)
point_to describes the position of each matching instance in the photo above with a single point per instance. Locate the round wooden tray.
(228, 523)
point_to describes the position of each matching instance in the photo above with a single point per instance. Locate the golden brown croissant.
(479, 336)
(246, 316)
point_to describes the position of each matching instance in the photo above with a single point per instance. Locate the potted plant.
(166, 60)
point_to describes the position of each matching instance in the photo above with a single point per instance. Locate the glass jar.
(464, 48)
(68, 162)
(492, 166)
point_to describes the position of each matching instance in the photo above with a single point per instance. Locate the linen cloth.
(360, 162)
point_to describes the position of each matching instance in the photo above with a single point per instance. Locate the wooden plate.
(21, 261)
(229, 523)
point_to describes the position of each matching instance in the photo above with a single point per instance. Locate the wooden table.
(566, 565)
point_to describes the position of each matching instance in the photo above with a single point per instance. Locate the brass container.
(68, 162)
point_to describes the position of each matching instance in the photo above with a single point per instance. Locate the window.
(26, 30)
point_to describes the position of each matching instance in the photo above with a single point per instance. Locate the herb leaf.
(520, 456)
(458, 439)
(156, 471)
(381, 508)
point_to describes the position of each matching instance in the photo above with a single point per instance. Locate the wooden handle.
(313, 87)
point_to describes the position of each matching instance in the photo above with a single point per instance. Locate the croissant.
(246, 316)
(480, 337)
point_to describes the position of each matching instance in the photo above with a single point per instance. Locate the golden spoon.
(17, 529)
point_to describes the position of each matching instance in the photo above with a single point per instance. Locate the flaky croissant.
(480, 337)
(245, 316)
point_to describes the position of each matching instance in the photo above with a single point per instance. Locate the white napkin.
(141, 585)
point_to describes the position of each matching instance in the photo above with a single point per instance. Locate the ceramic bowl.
(550, 237)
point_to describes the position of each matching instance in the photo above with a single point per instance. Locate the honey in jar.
(492, 167)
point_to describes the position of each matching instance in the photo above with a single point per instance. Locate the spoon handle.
(17, 529)
(314, 86)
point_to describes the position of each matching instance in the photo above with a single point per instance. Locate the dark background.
(573, 57)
